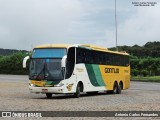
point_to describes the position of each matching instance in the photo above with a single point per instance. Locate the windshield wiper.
(43, 70)
(50, 75)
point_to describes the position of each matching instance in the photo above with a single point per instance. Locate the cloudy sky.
(27, 23)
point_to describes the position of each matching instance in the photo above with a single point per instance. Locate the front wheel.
(77, 94)
(49, 95)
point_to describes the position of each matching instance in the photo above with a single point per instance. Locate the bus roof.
(102, 49)
(87, 46)
(53, 46)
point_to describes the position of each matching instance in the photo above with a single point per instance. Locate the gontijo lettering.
(111, 70)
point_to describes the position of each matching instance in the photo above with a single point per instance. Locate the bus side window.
(79, 56)
(110, 59)
(116, 60)
(127, 61)
(121, 60)
(70, 62)
(124, 60)
(106, 59)
(101, 58)
(88, 57)
(83, 56)
(95, 58)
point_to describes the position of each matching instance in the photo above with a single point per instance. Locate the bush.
(144, 73)
(134, 72)
(12, 64)
(145, 66)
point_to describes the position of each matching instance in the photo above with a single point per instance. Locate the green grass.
(146, 79)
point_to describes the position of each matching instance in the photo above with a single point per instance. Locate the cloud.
(26, 23)
(98, 25)
(141, 27)
(30, 22)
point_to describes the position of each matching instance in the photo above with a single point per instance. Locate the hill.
(6, 52)
(150, 49)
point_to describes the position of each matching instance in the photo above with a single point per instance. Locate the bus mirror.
(63, 61)
(25, 61)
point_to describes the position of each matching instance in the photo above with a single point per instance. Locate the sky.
(28, 23)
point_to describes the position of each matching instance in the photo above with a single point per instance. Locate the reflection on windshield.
(46, 69)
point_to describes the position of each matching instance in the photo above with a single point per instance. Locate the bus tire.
(49, 95)
(121, 85)
(119, 89)
(115, 88)
(77, 94)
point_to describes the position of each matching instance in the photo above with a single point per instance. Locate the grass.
(146, 79)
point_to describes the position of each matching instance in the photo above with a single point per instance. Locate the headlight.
(32, 85)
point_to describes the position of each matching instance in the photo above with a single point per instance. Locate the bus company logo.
(111, 70)
(6, 114)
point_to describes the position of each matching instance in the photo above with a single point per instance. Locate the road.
(14, 95)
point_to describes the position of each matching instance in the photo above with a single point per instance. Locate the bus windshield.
(45, 64)
(49, 53)
(46, 69)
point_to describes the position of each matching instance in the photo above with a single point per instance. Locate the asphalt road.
(14, 95)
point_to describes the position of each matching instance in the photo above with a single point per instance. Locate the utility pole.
(116, 23)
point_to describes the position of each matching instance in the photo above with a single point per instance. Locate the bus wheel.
(119, 89)
(77, 94)
(121, 85)
(115, 88)
(49, 95)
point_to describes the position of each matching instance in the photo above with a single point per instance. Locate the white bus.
(59, 69)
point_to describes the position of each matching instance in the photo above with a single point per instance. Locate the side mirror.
(25, 61)
(63, 61)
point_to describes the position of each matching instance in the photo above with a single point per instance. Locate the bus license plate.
(44, 90)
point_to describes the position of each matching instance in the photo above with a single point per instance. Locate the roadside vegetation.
(12, 64)
(146, 79)
(144, 61)
(145, 66)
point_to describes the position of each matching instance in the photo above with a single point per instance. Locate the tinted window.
(103, 58)
(70, 62)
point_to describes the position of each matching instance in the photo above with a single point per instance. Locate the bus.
(74, 69)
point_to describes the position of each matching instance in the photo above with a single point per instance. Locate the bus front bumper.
(44, 90)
